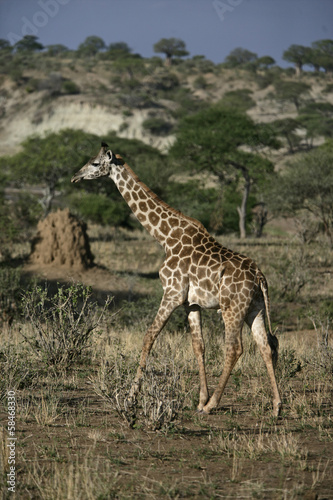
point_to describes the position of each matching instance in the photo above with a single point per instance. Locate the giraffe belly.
(208, 299)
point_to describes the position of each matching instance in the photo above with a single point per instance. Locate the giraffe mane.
(155, 197)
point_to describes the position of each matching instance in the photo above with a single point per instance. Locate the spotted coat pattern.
(198, 272)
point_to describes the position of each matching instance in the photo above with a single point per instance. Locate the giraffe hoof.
(202, 411)
(277, 410)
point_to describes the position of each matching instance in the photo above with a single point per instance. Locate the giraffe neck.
(156, 216)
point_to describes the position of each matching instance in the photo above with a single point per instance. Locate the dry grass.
(74, 438)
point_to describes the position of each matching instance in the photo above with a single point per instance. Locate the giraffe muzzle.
(77, 177)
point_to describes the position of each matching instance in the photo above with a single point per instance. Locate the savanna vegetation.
(69, 342)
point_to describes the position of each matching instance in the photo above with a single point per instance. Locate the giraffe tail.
(264, 289)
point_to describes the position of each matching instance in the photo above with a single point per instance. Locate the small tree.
(28, 43)
(118, 50)
(317, 119)
(239, 100)
(171, 47)
(5, 45)
(91, 46)
(129, 66)
(48, 161)
(239, 56)
(56, 50)
(322, 55)
(298, 55)
(265, 62)
(291, 91)
(286, 128)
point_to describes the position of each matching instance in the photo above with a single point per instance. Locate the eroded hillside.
(145, 104)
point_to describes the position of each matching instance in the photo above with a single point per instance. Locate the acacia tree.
(57, 49)
(48, 162)
(171, 47)
(291, 91)
(91, 46)
(28, 43)
(298, 55)
(317, 119)
(265, 62)
(118, 49)
(226, 144)
(286, 127)
(5, 45)
(240, 56)
(322, 55)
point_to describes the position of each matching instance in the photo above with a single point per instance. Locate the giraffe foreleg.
(165, 310)
(194, 318)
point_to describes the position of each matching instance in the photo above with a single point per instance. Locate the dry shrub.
(62, 324)
(163, 394)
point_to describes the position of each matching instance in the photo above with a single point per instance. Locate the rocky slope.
(31, 106)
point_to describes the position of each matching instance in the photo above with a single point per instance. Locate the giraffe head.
(100, 165)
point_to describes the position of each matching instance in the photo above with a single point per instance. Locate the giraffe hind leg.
(194, 318)
(233, 351)
(268, 345)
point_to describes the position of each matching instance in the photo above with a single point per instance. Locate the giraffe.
(199, 273)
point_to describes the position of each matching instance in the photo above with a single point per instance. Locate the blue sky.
(209, 27)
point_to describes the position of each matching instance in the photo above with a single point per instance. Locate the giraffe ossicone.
(198, 272)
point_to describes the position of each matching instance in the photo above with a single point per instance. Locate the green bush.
(16, 74)
(164, 80)
(69, 87)
(192, 200)
(18, 217)
(187, 103)
(239, 100)
(32, 85)
(101, 209)
(200, 82)
(157, 126)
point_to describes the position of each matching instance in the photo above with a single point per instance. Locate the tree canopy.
(226, 143)
(48, 161)
(291, 91)
(317, 119)
(28, 43)
(171, 47)
(91, 46)
(319, 55)
(57, 49)
(240, 56)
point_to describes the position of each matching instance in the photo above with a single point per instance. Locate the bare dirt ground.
(72, 443)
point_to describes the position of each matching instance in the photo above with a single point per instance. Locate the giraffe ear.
(110, 154)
